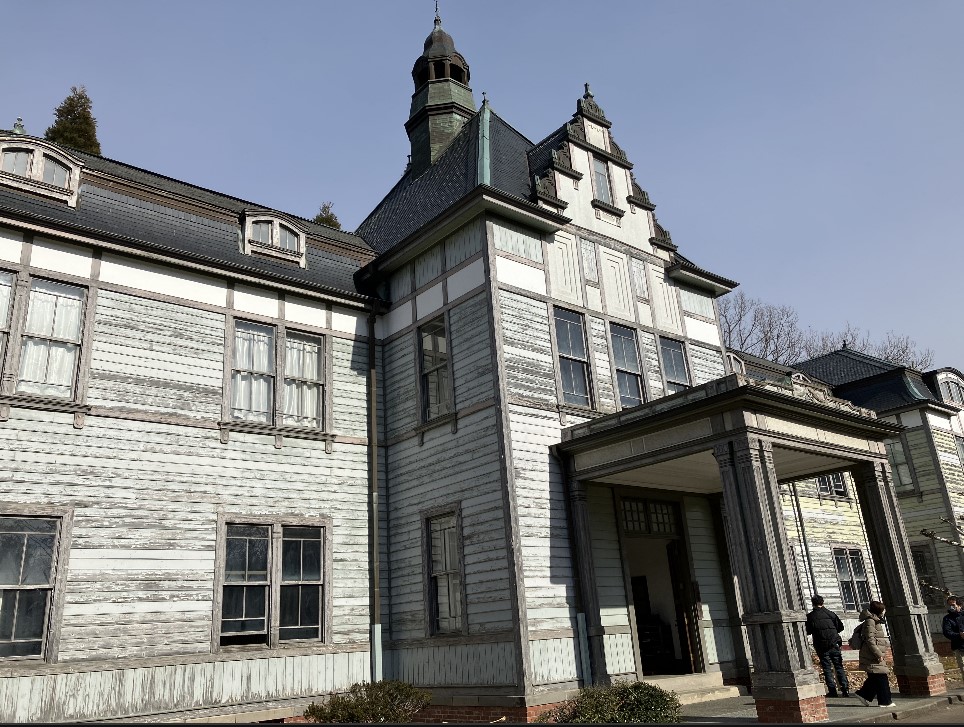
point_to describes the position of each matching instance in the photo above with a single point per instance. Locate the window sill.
(442, 419)
(279, 433)
(294, 256)
(43, 403)
(33, 185)
(606, 207)
(641, 202)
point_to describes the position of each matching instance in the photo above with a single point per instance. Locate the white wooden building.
(490, 444)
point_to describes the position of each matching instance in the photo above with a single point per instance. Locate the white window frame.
(616, 331)
(952, 390)
(848, 552)
(33, 180)
(667, 381)
(274, 579)
(596, 183)
(833, 484)
(251, 246)
(900, 467)
(568, 355)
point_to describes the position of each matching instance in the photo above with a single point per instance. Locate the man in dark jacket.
(825, 627)
(953, 628)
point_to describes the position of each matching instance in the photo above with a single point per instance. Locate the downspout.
(377, 672)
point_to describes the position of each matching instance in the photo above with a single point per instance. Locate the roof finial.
(588, 92)
(18, 127)
(845, 344)
(485, 99)
(438, 18)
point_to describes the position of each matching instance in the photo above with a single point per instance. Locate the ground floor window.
(852, 576)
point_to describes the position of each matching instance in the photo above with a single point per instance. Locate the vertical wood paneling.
(554, 660)
(620, 300)
(589, 265)
(620, 656)
(517, 240)
(564, 279)
(465, 243)
(665, 306)
(639, 277)
(455, 664)
(428, 266)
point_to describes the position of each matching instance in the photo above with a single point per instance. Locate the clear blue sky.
(811, 150)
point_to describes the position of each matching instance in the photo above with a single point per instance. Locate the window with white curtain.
(17, 161)
(50, 348)
(257, 348)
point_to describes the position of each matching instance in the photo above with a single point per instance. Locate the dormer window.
(270, 236)
(952, 391)
(600, 170)
(39, 167)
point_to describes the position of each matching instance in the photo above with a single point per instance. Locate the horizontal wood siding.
(399, 385)
(129, 692)
(543, 525)
(450, 468)
(706, 364)
(488, 664)
(528, 365)
(160, 357)
(708, 573)
(606, 558)
(605, 396)
(349, 380)
(471, 352)
(555, 660)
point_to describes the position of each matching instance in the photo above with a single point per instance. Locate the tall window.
(253, 377)
(255, 577)
(445, 577)
(51, 339)
(600, 169)
(852, 576)
(55, 173)
(628, 374)
(951, 390)
(436, 388)
(899, 466)
(832, 485)
(26, 583)
(674, 365)
(573, 361)
(6, 298)
(927, 573)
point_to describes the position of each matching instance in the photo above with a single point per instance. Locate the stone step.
(695, 688)
(697, 696)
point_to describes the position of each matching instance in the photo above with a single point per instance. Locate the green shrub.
(622, 702)
(371, 703)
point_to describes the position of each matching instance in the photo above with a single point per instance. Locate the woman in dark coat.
(872, 661)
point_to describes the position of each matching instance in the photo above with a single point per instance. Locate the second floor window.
(600, 170)
(952, 390)
(628, 374)
(436, 389)
(832, 485)
(573, 360)
(852, 576)
(674, 364)
(899, 466)
(253, 396)
(52, 333)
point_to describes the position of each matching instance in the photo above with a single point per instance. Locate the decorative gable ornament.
(588, 107)
(545, 189)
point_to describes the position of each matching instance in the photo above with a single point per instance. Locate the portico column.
(917, 667)
(582, 552)
(785, 685)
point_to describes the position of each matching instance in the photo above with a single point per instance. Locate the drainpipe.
(376, 597)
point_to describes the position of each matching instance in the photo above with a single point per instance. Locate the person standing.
(825, 627)
(872, 648)
(953, 629)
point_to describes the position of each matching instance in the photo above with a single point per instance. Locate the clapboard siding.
(605, 396)
(349, 380)
(448, 468)
(528, 366)
(606, 558)
(399, 385)
(130, 692)
(543, 526)
(706, 364)
(654, 378)
(145, 499)
(489, 664)
(555, 660)
(708, 573)
(471, 352)
(159, 357)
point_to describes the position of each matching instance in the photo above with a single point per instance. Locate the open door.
(688, 609)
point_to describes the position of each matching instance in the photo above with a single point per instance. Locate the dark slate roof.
(890, 390)
(414, 201)
(163, 228)
(762, 368)
(844, 366)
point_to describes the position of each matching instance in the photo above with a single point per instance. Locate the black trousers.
(876, 687)
(832, 661)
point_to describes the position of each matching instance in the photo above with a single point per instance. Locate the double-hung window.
(434, 365)
(253, 396)
(930, 586)
(7, 281)
(17, 161)
(832, 485)
(445, 575)
(573, 360)
(674, 365)
(628, 373)
(27, 563)
(852, 576)
(40, 168)
(50, 348)
(903, 481)
(273, 584)
(600, 170)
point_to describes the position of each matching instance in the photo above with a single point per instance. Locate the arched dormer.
(265, 232)
(950, 387)
(37, 166)
(736, 364)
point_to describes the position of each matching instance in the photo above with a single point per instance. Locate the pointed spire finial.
(588, 93)
(485, 99)
(438, 18)
(18, 126)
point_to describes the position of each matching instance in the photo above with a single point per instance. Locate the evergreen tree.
(326, 217)
(74, 124)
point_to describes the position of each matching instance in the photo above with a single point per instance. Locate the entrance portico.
(733, 441)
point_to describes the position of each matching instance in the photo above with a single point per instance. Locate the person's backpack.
(856, 639)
